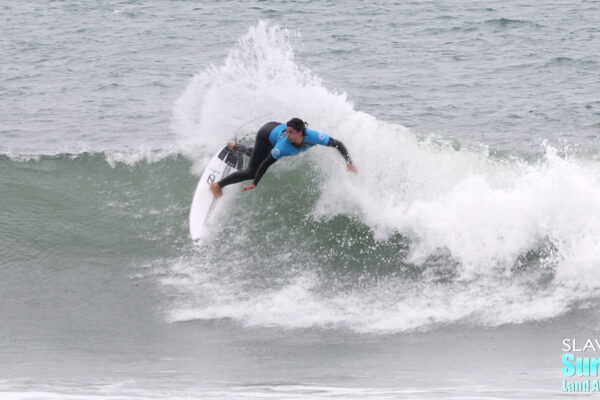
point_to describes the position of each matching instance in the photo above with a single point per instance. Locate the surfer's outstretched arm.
(341, 148)
(344, 152)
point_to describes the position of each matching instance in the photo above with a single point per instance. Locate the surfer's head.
(296, 130)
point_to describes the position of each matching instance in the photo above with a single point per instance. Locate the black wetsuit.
(261, 157)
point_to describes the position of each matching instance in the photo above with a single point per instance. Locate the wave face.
(431, 232)
(428, 233)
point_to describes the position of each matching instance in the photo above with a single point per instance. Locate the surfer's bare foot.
(216, 189)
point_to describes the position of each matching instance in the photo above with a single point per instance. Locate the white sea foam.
(134, 156)
(128, 157)
(486, 213)
(266, 391)
(258, 77)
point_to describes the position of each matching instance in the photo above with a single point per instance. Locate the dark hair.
(298, 125)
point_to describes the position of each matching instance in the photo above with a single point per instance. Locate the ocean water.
(452, 266)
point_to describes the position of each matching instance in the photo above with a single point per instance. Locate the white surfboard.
(222, 164)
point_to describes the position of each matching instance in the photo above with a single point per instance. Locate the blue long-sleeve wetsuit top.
(282, 147)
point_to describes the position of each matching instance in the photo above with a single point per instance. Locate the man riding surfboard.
(273, 141)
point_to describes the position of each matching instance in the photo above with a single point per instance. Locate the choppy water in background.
(450, 267)
(104, 75)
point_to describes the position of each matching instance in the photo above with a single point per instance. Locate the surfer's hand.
(230, 144)
(250, 186)
(350, 167)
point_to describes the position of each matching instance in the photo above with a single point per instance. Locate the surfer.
(273, 141)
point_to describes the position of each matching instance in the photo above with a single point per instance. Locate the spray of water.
(518, 241)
